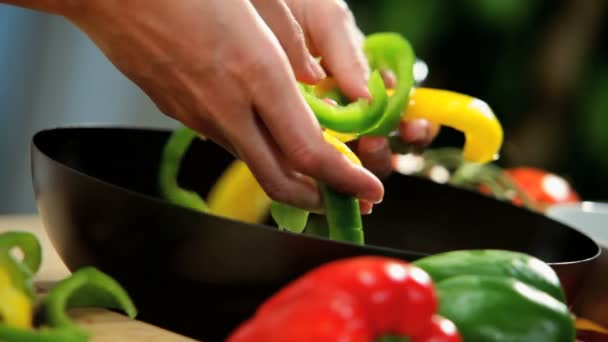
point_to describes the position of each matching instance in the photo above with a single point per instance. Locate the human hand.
(375, 152)
(228, 69)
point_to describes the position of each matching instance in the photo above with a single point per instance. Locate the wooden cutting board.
(104, 325)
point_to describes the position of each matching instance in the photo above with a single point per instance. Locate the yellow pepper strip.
(238, 195)
(335, 141)
(585, 324)
(15, 306)
(483, 132)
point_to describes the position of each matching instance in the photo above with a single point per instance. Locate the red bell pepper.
(356, 299)
(542, 187)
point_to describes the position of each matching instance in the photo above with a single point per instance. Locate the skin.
(228, 69)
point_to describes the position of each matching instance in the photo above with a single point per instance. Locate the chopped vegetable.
(237, 195)
(483, 132)
(15, 306)
(86, 287)
(174, 151)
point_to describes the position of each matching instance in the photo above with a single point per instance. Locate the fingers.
(281, 21)
(375, 154)
(334, 35)
(420, 132)
(267, 163)
(298, 135)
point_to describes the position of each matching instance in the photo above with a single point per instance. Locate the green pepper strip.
(87, 287)
(21, 273)
(343, 216)
(12, 334)
(355, 117)
(172, 155)
(390, 51)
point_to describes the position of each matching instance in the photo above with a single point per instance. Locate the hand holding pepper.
(228, 70)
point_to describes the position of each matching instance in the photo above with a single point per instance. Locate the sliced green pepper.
(87, 287)
(390, 51)
(487, 308)
(354, 117)
(343, 216)
(21, 273)
(12, 334)
(173, 152)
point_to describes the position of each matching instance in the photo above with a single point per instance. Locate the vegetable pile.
(19, 303)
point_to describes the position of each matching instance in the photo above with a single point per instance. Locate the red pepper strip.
(356, 299)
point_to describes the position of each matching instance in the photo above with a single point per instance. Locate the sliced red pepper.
(356, 299)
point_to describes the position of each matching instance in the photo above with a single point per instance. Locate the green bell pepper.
(490, 308)
(488, 262)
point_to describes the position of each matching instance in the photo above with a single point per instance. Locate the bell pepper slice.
(87, 287)
(173, 152)
(29, 246)
(490, 308)
(390, 51)
(483, 132)
(15, 306)
(355, 117)
(340, 301)
(237, 195)
(13, 334)
(21, 273)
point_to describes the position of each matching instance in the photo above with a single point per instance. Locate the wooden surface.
(104, 325)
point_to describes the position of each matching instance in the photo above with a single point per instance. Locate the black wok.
(200, 275)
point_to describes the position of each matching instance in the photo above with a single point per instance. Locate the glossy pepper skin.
(487, 308)
(498, 295)
(356, 299)
(489, 262)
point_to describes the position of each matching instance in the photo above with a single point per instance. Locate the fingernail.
(366, 207)
(316, 69)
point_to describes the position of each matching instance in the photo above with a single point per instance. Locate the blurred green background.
(541, 65)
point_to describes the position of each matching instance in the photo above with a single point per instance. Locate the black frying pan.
(200, 275)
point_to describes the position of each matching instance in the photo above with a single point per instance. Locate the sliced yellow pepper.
(483, 132)
(585, 324)
(337, 143)
(238, 195)
(15, 306)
